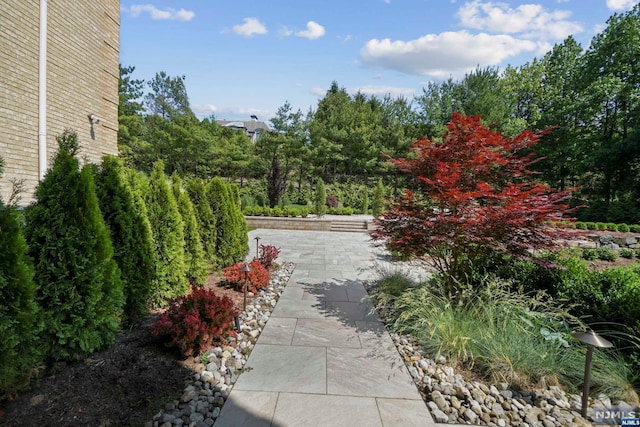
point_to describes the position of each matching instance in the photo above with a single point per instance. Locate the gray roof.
(250, 126)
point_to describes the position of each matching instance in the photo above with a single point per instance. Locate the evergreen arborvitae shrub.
(320, 198)
(205, 217)
(19, 327)
(365, 201)
(194, 258)
(378, 199)
(231, 238)
(168, 239)
(130, 235)
(79, 287)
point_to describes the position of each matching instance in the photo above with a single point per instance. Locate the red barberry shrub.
(258, 277)
(267, 255)
(194, 322)
(473, 195)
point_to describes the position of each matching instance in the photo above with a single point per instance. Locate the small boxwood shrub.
(607, 254)
(589, 254)
(612, 227)
(581, 225)
(257, 278)
(634, 228)
(591, 226)
(627, 253)
(194, 322)
(623, 228)
(601, 226)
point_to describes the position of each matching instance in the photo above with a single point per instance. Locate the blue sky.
(249, 57)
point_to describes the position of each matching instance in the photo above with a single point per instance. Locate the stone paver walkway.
(322, 358)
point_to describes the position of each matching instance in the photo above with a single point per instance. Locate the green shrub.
(196, 321)
(194, 258)
(20, 351)
(624, 228)
(611, 226)
(320, 198)
(205, 217)
(79, 286)
(591, 226)
(130, 233)
(601, 226)
(232, 243)
(580, 225)
(168, 239)
(635, 228)
(589, 254)
(365, 202)
(605, 253)
(627, 253)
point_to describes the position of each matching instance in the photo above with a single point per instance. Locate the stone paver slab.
(297, 410)
(298, 308)
(325, 333)
(284, 368)
(368, 372)
(351, 312)
(248, 408)
(404, 413)
(278, 331)
(374, 335)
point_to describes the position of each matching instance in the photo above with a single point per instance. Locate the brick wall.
(82, 79)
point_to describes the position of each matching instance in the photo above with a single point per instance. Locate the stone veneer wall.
(309, 224)
(82, 79)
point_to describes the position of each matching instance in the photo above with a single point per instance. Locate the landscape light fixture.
(246, 270)
(592, 340)
(257, 241)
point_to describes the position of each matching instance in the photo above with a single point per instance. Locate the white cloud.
(381, 91)
(444, 54)
(313, 31)
(158, 14)
(529, 20)
(621, 4)
(204, 110)
(285, 31)
(318, 91)
(251, 27)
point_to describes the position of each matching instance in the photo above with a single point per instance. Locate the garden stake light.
(257, 241)
(591, 339)
(246, 270)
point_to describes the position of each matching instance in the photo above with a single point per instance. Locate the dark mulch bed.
(124, 385)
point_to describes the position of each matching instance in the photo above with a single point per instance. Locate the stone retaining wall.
(593, 241)
(285, 223)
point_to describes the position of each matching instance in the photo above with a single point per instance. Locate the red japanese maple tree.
(473, 195)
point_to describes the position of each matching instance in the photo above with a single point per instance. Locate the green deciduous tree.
(79, 286)
(168, 238)
(130, 233)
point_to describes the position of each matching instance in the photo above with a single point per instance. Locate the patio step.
(346, 225)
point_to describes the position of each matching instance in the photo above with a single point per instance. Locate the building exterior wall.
(82, 79)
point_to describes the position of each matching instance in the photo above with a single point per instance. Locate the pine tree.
(193, 252)
(79, 286)
(19, 326)
(168, 238)
(130, 235)
(321, 198)
(206, 220)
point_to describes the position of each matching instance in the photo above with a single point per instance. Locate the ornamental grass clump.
(196, 321)
(520, 339)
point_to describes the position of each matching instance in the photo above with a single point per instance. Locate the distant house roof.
(253, 128)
